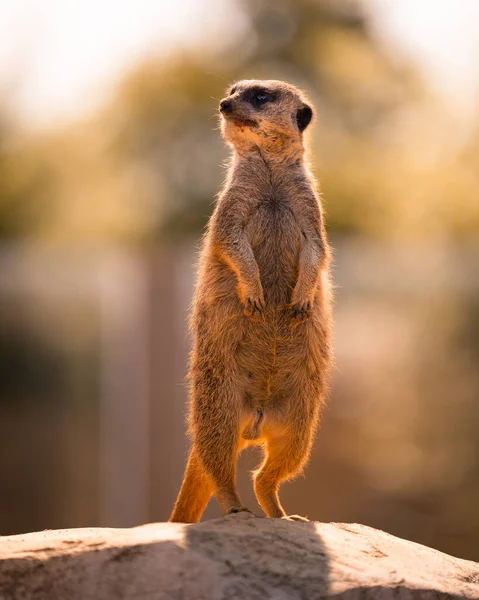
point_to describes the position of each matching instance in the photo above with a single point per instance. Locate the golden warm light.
(110, 160)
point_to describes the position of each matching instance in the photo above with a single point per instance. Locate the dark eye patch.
(232, 91)
(258, 96)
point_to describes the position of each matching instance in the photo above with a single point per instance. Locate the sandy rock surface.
(239, 556)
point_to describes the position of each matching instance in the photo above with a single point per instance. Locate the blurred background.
(110, 159)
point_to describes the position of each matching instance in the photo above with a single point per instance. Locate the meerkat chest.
(273, 222)
(275, 238)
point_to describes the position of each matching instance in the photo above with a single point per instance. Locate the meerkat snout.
(226, 106)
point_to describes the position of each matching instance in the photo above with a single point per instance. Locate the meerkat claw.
(302, 311)
(254, 308)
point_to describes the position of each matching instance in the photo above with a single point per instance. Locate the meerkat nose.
(226, 106)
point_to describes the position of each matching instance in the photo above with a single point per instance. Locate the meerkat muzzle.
(226, 107)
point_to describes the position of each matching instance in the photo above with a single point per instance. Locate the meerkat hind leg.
(226, 493)
(285, 456)
(218, 449)
(229, 500)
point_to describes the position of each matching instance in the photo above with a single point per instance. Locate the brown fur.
(261, 317)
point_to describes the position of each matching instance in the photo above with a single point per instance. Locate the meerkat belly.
(275, 238)
(262, 355)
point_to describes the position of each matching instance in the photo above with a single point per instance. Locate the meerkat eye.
(261, 98)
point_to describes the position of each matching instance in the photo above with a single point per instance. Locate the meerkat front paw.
(302, 311)
(254, 307)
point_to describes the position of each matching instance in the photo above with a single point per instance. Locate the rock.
(239, 556)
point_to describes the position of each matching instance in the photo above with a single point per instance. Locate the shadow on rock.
(263, 558)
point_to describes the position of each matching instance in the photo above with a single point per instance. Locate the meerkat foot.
(233, 511)
(295, 518)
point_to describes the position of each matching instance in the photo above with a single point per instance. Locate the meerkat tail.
(195, 492)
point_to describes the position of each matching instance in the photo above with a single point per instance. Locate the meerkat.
(261, 317)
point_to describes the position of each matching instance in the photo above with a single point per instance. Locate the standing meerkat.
(261, 319)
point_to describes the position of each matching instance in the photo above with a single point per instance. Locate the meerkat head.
(266, 114)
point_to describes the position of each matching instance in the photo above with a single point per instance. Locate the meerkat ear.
(304, 116)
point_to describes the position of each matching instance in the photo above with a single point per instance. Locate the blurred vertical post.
(171, 290)
(124, 410)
